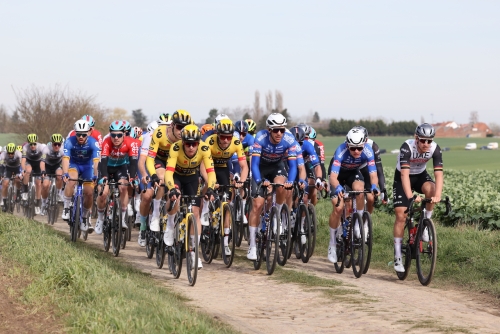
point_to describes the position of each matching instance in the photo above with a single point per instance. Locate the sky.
(396, 60)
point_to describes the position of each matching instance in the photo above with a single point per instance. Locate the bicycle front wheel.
(31, 202)
(229, 245)
(116, 227)
(313, 226)
(75, 221)
(426, 249)
(406, 250)
(272, 242)
(10, 199)
(124, 234)
(285, 236)
(368, 229)
(357, 245)
(191, 241)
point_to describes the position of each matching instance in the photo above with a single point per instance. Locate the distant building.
(452, 129)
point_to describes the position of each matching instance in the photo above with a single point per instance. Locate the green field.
(456, 158)
(6, 138)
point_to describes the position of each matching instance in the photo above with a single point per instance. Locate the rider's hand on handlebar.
(155, 180)
(65, 177)
(209, 195)
(436, 199)
(145, 179)
(288, 185)
(302, 184)
(375, 189)
(102, 180)
(339, 190)
(319, 184)
(383, 196)
(173, 193)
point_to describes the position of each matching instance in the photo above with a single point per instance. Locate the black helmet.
(298, 133)
(425, 130)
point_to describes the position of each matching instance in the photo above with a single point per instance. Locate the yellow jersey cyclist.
(161, 141)
(10, 164)
(52, 156)
(222, 146)
(186, 158)
(30, 163)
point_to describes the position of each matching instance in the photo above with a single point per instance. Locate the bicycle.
(112, 226)
(350, 248)
(239, 212)
(417, 246)
(12, 195)
(76, 209)
(219, 211)
(268, 236)
(29, 204)
(185, 240)
(303, 251)
(52, 205)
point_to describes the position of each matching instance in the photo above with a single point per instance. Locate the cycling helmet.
(57, 138)
(137, 131)
(117, 126)
(251, 125)
(205, 128)
(82, 126)
(355, 137)
(276, 120)
(190, 133)
(152, 126)
(10, 148)
(32, 138)
(127, 126)
(298, 133)
(89, 119)
(19, 148)
(312, 134)
(164, 119)
(241, 126)
(425, 130)
(225, 127)
(181, 117)
(305, 127)
(220, 117)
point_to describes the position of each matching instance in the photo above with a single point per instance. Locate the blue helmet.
(312, 134)
(241, 126)
(127, 126)
(298, 133)
(89, 119)
(117, 126)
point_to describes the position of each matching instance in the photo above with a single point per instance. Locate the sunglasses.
(33, 144)
(226, 138)
(116, 135)
(179, 127)
(282, 130)
(425, 141)
(243, 134)
(356, 148)
(193, 144)
(56, 144)
(83, 135)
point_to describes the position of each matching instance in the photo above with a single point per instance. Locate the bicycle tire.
(314, 226)
(246, 230)
(426, 252)
(150, 246)
(297, 244)
(93, 213)
(160, 253)
(116, 227)
(367, 219)
(106, 229)
(124, 234)
(285, 237)
(75, 220)
(228, 259)
(406, 252)
(238, 220)
(10, 199)
(50, 207)
(130, 224)
(191, 264)
(31, 202)
(357, 245)
(272, 244)
(306, 248)
(340, 247)
(176, 252)
(259, 244)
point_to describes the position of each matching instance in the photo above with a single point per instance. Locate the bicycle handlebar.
(446, 201)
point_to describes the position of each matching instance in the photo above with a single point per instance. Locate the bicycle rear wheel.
(426, 248)
(208, 243)
(124, 234)
(340, 248)
(406, 250)
(246, 230)
(191, 241)
(259, 244)
(314, 226)
(116, 227)
(160, 251)
(272, 244)
(31, 202)
(10, 199)
(357, 245)
(227, 214)
(238, 220)
(285, 236)
(368, 229)
(175, 253)
(75, 220)
(150, 246)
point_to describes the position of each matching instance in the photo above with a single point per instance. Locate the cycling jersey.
(266, 153)
(94, 134)
(158, 148)
(221, 156)
(33, 155)
(344, 161)
(378, 163)
(51, 157)
(115, 156)
(179, 163)
(84, 154)
(146, 141)
(10, 164)
(410, 158)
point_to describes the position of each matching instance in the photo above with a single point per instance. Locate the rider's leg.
(429, 190)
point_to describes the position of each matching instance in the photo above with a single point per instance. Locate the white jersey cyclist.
(410, 158)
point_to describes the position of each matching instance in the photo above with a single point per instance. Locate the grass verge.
(95, 293)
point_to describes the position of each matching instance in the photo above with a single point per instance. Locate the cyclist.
(205, 128)
(145, 186)
(267, 166)
(32, 155)
(344, 171)
(52, 156)
(81, 158)
(19, 148)
(94, 133)
(222, 146)
(320, 152)
(182, 176)
(161, 141)
(10, 164)
(411, 175)
(252, 126)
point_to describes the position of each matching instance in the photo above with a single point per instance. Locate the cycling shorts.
(268, 172)
(347, 178)
(222, 175)
(188, 185)
(416, 182)
(85, 171)
(118, 172)
(8, 171)
(51, 170)
(35, 166)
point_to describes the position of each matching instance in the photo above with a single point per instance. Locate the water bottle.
(413, 232)
(264, 222)
(110, 210)
(346, 226)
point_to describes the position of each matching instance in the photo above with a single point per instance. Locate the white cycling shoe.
(398, 265)
(332, 254)
(252, 253)
(155, 224)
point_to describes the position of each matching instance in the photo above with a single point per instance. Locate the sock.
(85, 212)
(100, 214)
(361, 213)
(226, 237)
(44, 201)
(279, 206)
(333, 239)
(67, 202)
(191, 239)
(428, 214)
(156, 208)
(143, 223)
(397, 247)
(253, 231)
(171, 222)
(124, 214)
(198, 240)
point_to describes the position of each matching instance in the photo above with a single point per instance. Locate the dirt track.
(253, 303)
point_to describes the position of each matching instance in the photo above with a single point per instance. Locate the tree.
(284, 112)
(269, 102)
(4, 120)
(257, 110)
(474, 117)
(140, 119)
(116, 114)
(278, 100)
(316, 118)
(247, 116)
(211, 116)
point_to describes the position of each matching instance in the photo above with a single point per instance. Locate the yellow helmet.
(10, 148)
(57, 138)
(251, 125)
(181, 117)
(225, 126)
(19, 148)
(190, 133)
(32, 138)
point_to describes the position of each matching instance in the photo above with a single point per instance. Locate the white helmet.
(355, 137)
(152, 126)
(276, 120)
(220, 117)
(82, 126)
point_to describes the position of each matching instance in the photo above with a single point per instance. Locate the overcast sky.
(401, 60)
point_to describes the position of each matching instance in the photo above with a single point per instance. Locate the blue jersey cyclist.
(267, 166)
(81, 157)
(344, 171)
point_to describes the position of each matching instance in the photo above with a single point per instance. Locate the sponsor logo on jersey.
(336, 163)
(371, 163)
